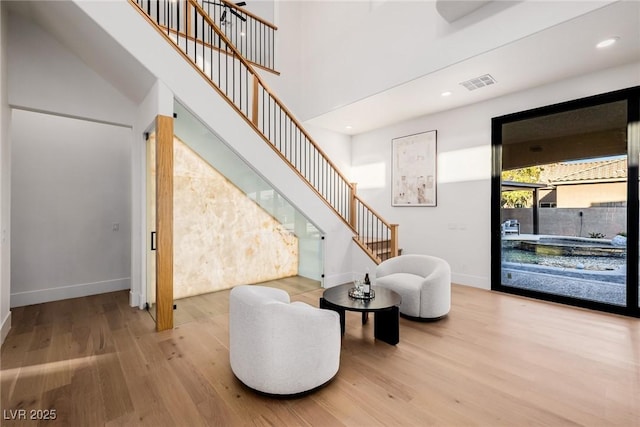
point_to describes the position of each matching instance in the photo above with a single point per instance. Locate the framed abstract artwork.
(413, 177)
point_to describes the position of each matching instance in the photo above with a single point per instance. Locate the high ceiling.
(560, 52)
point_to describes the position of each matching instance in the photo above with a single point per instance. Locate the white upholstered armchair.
(281, 348)
(423, 281)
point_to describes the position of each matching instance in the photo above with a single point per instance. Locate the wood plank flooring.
(497, 360)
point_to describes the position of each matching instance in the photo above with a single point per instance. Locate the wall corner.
(6, 327)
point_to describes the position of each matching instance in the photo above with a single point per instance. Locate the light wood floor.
(195, 308)
(497, 360)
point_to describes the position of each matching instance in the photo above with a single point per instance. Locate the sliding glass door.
(565, 217)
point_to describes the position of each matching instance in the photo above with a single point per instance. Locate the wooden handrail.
(267, 89)
(394, 240)
(236, 54)
(366, 205)
(252, 117)
(246, 12)
(394, 249)
(229, 44)
(210, 46)
(353, 219)
(253, 23)
(265, 86)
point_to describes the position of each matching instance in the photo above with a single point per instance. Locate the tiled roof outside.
(615, 169)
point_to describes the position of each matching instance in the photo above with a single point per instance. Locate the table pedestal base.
(386, 323)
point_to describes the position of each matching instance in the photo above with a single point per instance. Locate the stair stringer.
(126, 26)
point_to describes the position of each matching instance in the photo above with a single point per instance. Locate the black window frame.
(632, 96)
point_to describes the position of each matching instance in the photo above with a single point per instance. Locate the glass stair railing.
(191, 131)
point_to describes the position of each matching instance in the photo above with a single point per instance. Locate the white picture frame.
(414, 170)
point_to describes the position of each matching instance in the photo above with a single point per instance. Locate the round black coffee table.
(385, 306)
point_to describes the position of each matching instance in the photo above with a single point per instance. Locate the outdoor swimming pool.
(588, 269)
(581, 254)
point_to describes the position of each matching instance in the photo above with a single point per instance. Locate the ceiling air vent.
(478, 82)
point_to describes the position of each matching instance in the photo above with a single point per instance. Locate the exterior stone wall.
(568, 222)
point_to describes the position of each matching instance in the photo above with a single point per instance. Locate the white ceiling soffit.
(560, 52)
(452, 10)
(74, 29)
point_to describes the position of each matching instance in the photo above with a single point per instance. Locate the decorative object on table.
(414, 170)
(423, 281)
(362, 289)
(358, 284)
(359, 294)
(366, 290)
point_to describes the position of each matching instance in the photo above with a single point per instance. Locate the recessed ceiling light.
(447, 93)
(607, 42)
(347, 127)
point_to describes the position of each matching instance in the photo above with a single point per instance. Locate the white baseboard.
(469, 280)
(461, 279)
(20, 299)
(134, 299)
(6, 326)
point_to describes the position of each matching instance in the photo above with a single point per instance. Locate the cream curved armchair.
(423, 281)
(281, 348)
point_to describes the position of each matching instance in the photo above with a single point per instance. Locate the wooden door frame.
(164, 223)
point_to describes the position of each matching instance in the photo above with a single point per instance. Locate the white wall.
(45, 76)
(71, 142)
(5, 183)
(288, 50)
(458, 229)
(336, 146)
(262, 8)
(345, 51)
(71, 220)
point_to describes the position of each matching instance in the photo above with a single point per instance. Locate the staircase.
(381, 248)
(194, 29)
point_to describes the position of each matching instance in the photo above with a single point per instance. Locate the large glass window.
(561, 179)
(577, 248)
